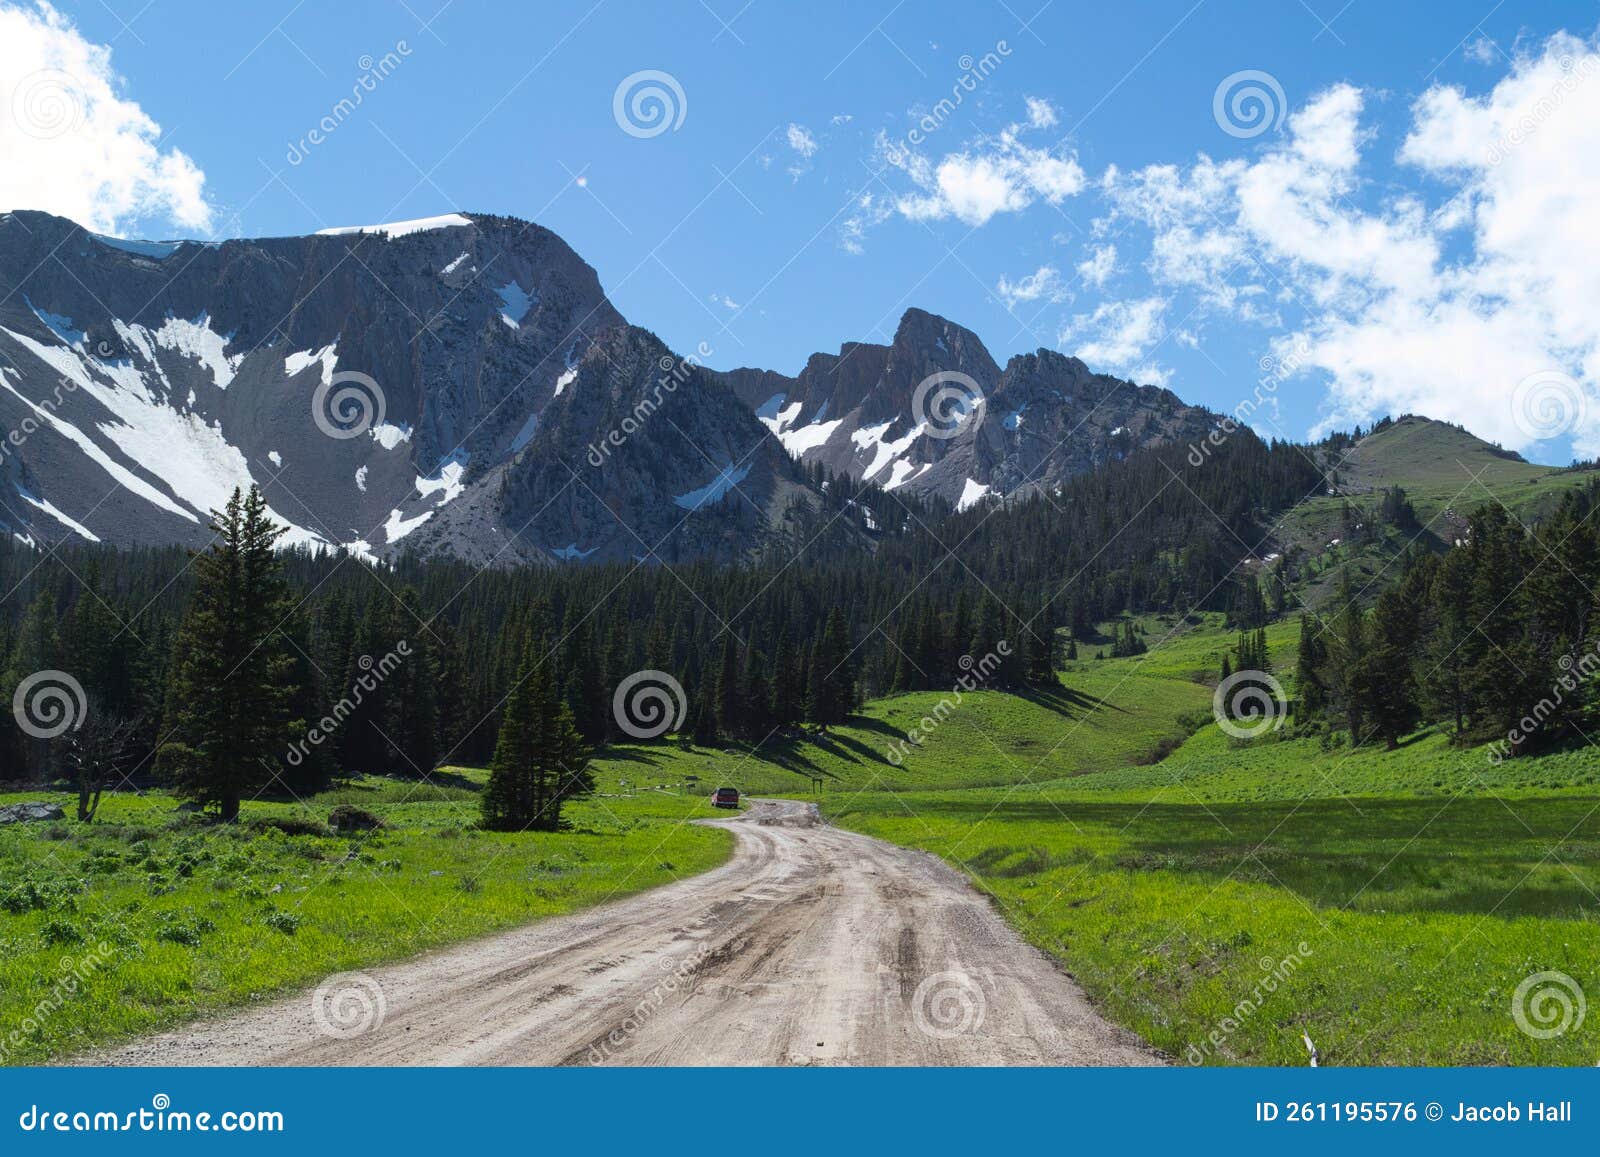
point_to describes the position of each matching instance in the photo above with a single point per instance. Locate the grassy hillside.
(1446, 474)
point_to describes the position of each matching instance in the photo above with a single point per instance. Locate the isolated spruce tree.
(229, 702)
(540, 759)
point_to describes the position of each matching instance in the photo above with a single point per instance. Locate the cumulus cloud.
(1000, 176)
(1444, 298)
(1097, 268)
(75, 146)
(1041, 113)
(1118, 337)
(1043, 284)
(982, 178)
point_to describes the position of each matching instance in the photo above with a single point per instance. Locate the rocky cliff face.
(434, 383)
(875, 412)
(461, 385)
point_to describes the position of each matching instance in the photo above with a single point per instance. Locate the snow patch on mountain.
(395, 229)
(446, 481)
(567, 377)
(95, 454)
(328, 355)
(398, 526)
(62, 327)
(808, 437)
(727, 478)
(389, 435)
(775, 416)
(198, 341)
(515, 303)
(884, 452)
(972, 493)
(156, 250)
(904, 472)
(54, 512)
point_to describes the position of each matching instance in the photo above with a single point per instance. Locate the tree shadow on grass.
(1470, 857)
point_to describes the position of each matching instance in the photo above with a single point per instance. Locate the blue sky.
(1085, 193)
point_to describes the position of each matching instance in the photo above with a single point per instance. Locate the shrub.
(35, 893)
(187, 931)
(349, 818)
(286, 922)
(289, 825)
(61, 932)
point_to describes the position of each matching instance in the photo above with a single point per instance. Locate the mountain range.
(461, 385)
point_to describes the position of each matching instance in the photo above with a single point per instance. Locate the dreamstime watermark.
(374, 672)
(973, 73)
(678, 973)
(948, 403)
(1576, 670)
(1573, 74)
(348, 1005)
(160, 1117)
(648, 704)
(347, 405)
(1248, 704)
(976, 674)
(1548, 404)
(648, 103)
(1548, 1004)
(674, 372)
(48, 704)
(40, 412)
(47, 104)
(1249, 102)
(373, 73)
(1275, 973)
(947, 1005)
(1275, 371)
(71, 978)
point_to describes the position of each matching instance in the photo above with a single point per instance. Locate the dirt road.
(811, 946)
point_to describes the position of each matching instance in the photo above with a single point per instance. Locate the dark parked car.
(725, 797)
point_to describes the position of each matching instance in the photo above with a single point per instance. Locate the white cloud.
(801, 140)
(1043, 284)
(1481, 50)
(1097, 268)
(1439, 303)
(1118, 336)
(1041, 113)
(1002, 175)
(72, 145)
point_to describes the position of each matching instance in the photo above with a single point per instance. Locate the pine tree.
(540, 759)
(230, 686)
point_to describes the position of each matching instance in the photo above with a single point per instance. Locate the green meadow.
(1223, 898)
(148, 917)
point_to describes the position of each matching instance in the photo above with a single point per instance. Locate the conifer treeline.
(1497, 639)
(767, 644)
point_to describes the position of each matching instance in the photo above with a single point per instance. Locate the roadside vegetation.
(152, 916)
